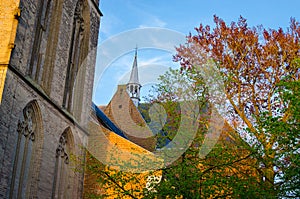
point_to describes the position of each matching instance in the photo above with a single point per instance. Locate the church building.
(47, 62)
(119, 138)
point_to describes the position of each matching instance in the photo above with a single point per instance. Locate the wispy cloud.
(153, 21)
(146, 18)
(162, 60)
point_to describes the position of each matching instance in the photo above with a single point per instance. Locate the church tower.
(133, 86)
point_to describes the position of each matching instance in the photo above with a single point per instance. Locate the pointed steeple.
(133, 86)
(134, 76)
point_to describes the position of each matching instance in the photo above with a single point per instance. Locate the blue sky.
(178, 18)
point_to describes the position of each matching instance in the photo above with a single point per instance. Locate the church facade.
(47, 66)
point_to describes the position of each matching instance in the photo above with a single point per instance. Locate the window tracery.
(26, 153)
(61, 151)
(62, 182)
(75, 55)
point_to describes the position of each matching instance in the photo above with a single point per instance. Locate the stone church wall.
(46, 99)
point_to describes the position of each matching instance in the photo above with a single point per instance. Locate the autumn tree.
(226, 171)
(252, 62)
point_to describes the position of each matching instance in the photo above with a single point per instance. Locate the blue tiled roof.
(107, 122)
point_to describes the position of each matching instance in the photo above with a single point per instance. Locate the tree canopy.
(252, 61)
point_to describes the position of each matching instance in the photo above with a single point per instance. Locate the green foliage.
(286, 127)
(226, 171)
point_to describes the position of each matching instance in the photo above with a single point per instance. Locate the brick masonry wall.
(126, 116)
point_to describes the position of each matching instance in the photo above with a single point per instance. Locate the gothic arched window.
(63, 174)
(28, 152)
(51, 47)
(38, 52)
(76, 55)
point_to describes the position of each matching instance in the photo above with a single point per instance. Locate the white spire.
(134, 76)
(133, 85)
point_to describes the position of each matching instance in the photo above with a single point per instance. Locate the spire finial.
(136, 49)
